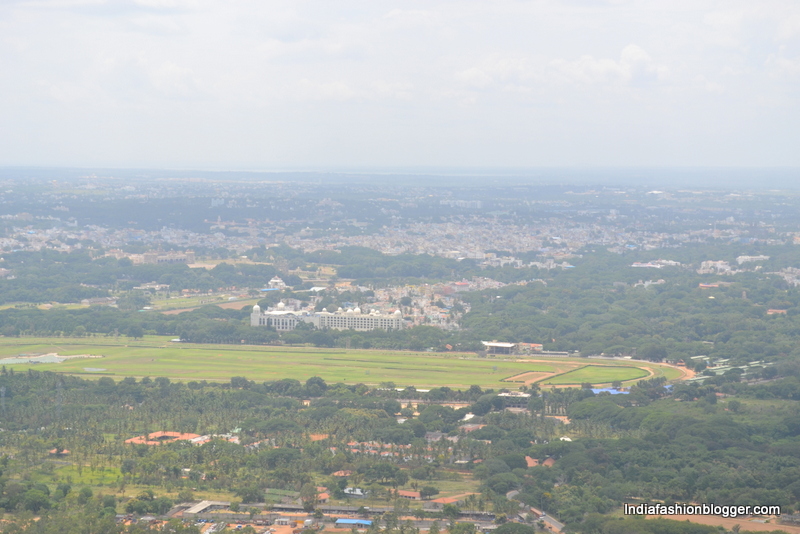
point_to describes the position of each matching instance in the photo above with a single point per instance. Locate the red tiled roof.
(157, 438)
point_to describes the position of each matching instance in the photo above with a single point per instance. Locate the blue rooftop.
(609, 390)
(364, 522)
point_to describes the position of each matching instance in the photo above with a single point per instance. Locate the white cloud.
(324, 90)
(411, 17)
(395, 90)
(173, 80)
(57, 3)
(150, 23)
(168, 4)
(440, 78)
(475, 78)
(781, 67)
(789, 26)
(634, 66)
(66, 92)
(499, 73)
(725, 25)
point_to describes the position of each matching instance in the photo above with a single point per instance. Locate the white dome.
(340, 310)
(281, 305)
(325, 310)
(398, 312)
(256, 308)
(349, 311)
(357, 310)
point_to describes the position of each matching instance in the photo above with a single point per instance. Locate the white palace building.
(352, 319)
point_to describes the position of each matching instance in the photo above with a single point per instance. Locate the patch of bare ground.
(747, 523)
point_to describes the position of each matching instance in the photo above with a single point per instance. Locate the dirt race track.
(532, 377)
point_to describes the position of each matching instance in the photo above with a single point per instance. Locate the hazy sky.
(340, 83)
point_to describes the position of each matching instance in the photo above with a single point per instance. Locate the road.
(551, 522)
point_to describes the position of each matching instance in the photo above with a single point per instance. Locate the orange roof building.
(157, 438)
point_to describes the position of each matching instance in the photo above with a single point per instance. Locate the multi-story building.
(352, 319)
(159, 256)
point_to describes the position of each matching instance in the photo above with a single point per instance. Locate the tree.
(451, 511)
(135, 331)
(428, 491)
(653, 352)
(250, 494)
(463, 528)
(316, 387)
(515, 528)
(84, 495)
(133, 301)
(35, 500)
(308, 495)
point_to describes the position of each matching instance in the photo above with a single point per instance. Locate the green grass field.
(597, 374)
(187, 303)
(100, 476)
(157, 356)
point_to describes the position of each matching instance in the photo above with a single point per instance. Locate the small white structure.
(276, 283)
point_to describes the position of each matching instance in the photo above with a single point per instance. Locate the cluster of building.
(501, 347)
(657, 264)
(725, 268)
(392, 307)
(284, 320)
(790, 274)
(719, 366)
(553, 225)
(161, 437)
(469, 204)
(155, 256)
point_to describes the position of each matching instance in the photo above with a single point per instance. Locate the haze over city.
(441, 267)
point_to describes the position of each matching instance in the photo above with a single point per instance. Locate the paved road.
(551, 522)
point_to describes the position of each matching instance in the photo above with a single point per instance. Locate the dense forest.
(727, 443)
(47, 275)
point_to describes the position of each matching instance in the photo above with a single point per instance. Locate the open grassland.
(192, 303)
(156, 356)
(88, 476)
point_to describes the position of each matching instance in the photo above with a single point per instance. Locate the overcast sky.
(314, 84)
